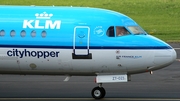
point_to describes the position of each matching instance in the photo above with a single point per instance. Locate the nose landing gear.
(98, 92)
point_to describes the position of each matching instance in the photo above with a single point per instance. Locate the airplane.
(78, 41)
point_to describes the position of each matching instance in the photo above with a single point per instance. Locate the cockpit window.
(136, 30)
(110, 31)
(120, 31)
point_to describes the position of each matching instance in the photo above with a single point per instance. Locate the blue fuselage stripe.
(85, 47)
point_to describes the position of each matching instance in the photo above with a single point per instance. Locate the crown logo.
(43, 15)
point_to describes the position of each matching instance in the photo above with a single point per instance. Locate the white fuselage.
(60, 62)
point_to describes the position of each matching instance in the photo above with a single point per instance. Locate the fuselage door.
(81, 40)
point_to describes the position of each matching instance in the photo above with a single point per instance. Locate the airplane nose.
(174, 55)
(163, 58)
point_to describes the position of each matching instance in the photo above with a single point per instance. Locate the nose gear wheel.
(98, 92)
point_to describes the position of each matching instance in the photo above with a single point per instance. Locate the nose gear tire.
(98, 92)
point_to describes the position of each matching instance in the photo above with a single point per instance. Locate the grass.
(160, 18)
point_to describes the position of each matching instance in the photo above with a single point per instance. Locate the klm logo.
(40, 24)
(36, 24)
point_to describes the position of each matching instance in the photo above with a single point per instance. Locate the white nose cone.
(174, 55)
(164, 57)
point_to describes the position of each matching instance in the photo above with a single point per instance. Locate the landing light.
(151, 72)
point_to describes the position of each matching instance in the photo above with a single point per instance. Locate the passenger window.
(110, 31)
(23, 33)
(2, 33)
(43, 34)
(12, 33)
(120, 31)
(33, 33)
